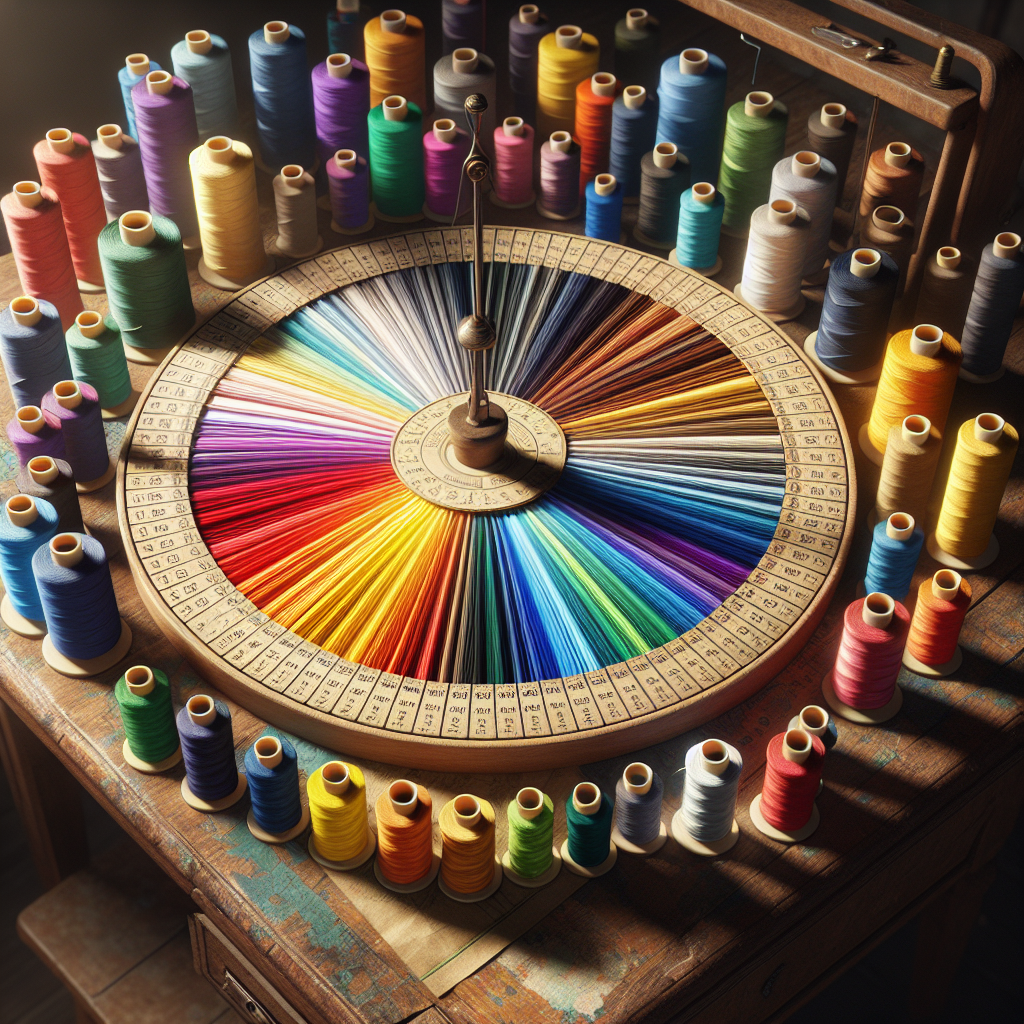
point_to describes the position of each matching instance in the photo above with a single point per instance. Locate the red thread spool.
(68, 168)
(39, 241)
(942, 603)
(790, 786)
(595, 97)
(870, 652)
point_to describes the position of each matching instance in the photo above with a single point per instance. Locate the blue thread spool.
(588, 849)
(462, 24)
(27, 524)
(895, 548)
(136, 67)
(634, 132)
(204, 61)
(212, 781)
(705, 823)
(278, 813)
(701, 209)
(638, 825)
(604, 208)
(345, 28)
(35, 355)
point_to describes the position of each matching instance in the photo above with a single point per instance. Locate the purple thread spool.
(77, 407)
(35, 432)
(348, 179)
(341, 101)
(559, 190)
(165, 118)
(445, 148)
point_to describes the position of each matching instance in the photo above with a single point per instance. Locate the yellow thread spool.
(468, 866)
(337, 811)
(565, 58)
(394, 45)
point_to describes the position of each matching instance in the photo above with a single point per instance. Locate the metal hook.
(743, 37)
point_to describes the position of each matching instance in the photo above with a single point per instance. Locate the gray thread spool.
(456, 77)
(811, 182)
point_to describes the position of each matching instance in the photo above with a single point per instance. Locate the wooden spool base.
(702, 849)
(17, 623)
(88, 288)
(637, 849)
(533, 883)
(595, 872)
(210, 806)
(869, 450)
(779, 315)
(987, 557)
(558, 216)
(145, 356)
(984, 378)
(673, 258)
(88, 486)
(475, 897)
(339, 230)
(115, 412)
(230, 284)
(82, 668)
(933, 671)
(866, 716)
(277, 838)
(275, 250)
(149, 767)
(410, 218)
(773, 833)
(838, 376)
(653, 243)
(417, 886)
(512, 206)
(344, 865)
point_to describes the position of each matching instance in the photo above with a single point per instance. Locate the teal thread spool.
(97, 358)
(755, 136)
(700, 229)
(143, 696)
(531, 861)
(396, 160)
(588, 850)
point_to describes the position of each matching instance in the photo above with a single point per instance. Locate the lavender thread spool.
(559, 197)
(295, 202)
(78, 409)
(119, 166)
(348, 179)
(34, 434)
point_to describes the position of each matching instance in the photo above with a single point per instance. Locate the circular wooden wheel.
(675, 563)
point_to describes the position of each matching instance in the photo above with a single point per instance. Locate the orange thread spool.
(394, 45)
(405, 849)
(595, 97)
(894, 177)
(467, 855)
(942, 603)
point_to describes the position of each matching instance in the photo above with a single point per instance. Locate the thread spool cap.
(782, 211)
(445, 130)
(66, 550)
(61, 140)
(393, 21)
(602, 84)
(693, 61)
(878, 610)
(1006, 245)
(335, 777)
(946, 584)
(796, 746)
(28, 193)
(885, 218)
(833, 115)
(529, 14)
(900, 526)
(569, 37)
(220, 149)
(704, 192)
(201, 709)
(806, 164)
(404, 797)
(916, 429)
(140, 680)
(604, 184)
(43, 470)
(198, 41)
(276, 31)
(814, 720)
(638, 778)
(347, 6)
(159, 83)
(136, 227)
(30, 419)
(339, 65)
(586, 798)
(897, 154)
(530, 802)
(948, 257)
(634, 97)
(465, 60)
(665, 155)
(346, 158)
(989, 427)
(865, 262)
(636, 18)
(395, 108)
(268, 751)
(714, 757)
(925, 340)
(68, 394)
(110, 135)
(21, 510)
(512, 126)
(467, 810)
(560, 142)
(758, 104)
(294, 175)
(137, 64)
(26, 311)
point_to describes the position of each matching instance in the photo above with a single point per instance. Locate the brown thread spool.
(831, 132)
(893, 178)
(52, 480)
(946, 290)
(891, 230)
(295, 202)
(908, 469)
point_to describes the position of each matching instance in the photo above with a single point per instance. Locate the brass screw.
(943, 64)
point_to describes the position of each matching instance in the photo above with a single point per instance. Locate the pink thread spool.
(445, 148)
(513, 164)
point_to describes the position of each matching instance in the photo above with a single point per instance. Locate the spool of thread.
(811, 183)
(700, 228)
(77, 407)
(204, 61)
(664, 176)
(445, 148)
(911, 457)
(595, 98)
(272, 770)
(831, 133)
(816, 721)
(565, 58)
(336, 793)
(946, 290)
(982, 459)
(341, 101)
(396, 160)
(143, 697)
(462, 24)
(147, 283)
(604, 208)
(345, 30)
(136, 67)
(52, 480)
(932, 642)
(638, 826)
(459, 75)
(889, 230)
(39, 242)
(513, 165)
(224, 180)
(559, 197)
(896, 545)
(526, 28)
(298, 234)
(32, 346)
(97, 358)
(166, 122)
(862, 684)
(469, 871)
(34, 434)
(405, 854)
(531, 860)
(755, 134)
(893, 177)
(67, 168)
(706, 820)
(212, 779)
(395, 58)
(588, 848)
(850, 340)
(691, 100)
(919, 374)
(119, 167)
(282, 96)
(776, 255)
(348, 180)
(634, 128)
(26, 524)
(636, 49)
(998, 289)
(785, 808)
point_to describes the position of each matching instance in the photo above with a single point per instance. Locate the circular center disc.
(425, 461)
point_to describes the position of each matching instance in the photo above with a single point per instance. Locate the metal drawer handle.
(253, 1009)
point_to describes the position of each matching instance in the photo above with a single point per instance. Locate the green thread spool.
(97, 358)
(396, 159)
(151, 736)
(531, 829)
(755, 136)
(588, 849)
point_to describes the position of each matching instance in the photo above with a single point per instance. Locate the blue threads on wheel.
(638, 814)
(21, 536)
(127, 80)
(895, 548)
(35, 355)
(700, 226)
(208, 749)
(692, 110)
(590, 835)
(634, 132)
(274, 787)
(604, 212)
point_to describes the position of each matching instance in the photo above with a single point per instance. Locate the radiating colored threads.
(665, 175)
(459, 75)
(462, 24)
(341, 101)
(946, 287)
(143, 697)
(710, 787)
(204, 61)
(35, 434)
(787, 796)
(911, 458)
(282, 96)
(26, 524)
(589, 834)
(208, 748)
(77, 407)
(345, 29)
(97, 358)
(604, 208)
(119, 167)
(298, 233)
(638, 796)
(35, 356)
(811, 183)
(531, 827)
(994, 303)
(272, 771)
(52, 480)
(870, 652)
(889, 230)
(700, 227)
(39, 242)
(559, 177)
(565, 58)
(776, 254)
(68, 169)
(445, 148)
(513, 164)
(526, 28)
(896, 545)
(166, 121)
(831, 133)
(636, 49)
(893, 177)
(396, 158)
(405, 850)
(395, 58)
(634, 125)
(942, 604)
(691, 100)
(467, 844)
(348, 180)
(595, 97)
(336, 793)
(136, 67)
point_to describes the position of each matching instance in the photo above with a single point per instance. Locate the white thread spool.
(774, 263)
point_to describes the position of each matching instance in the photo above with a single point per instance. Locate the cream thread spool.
(714, 758)
(202, 711)
(530, 803)
(298, 235)
(769, 284)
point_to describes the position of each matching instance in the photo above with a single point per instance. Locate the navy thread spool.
(85, 634)
(136, 67)
(212, 780)
(588, 849)
(26, 525)
(52, 480)
(459, 75)
(691, 99)
(35, 355)
(604, 208)
(559, 197)
(204, 61)
(831, 133)
(143, 697)
(97, 358)
(994, 303)
(636, 49)
(638, 826)
(283, 96)
(810, 182)
(701, 209)
(665, 175)
(341, 101)
(78, 409)
(348, 180)
(462, 24)
(119, 166)
(525, 29)
(705, 823)
(896, 545)
(634, 130)
(34, 433)
(396, 160)
(849, 343)
(345, 29)
(277, 813)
